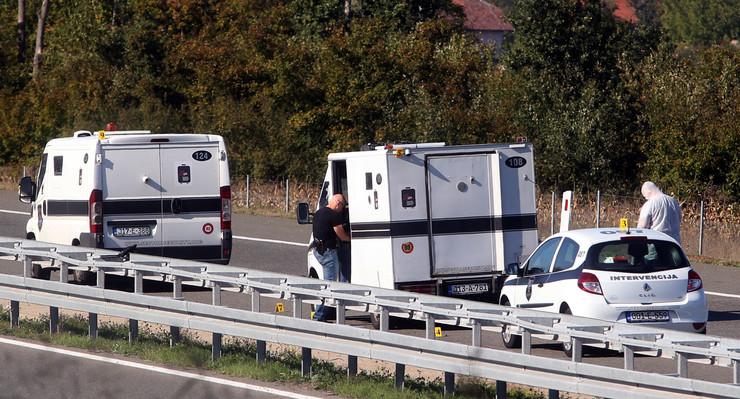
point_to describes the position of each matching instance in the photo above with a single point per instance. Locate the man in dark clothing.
(327, 231)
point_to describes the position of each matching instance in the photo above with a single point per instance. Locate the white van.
(168, 194)
(432, 218)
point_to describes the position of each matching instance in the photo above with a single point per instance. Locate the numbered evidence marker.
(279, 307)
(437, 331)
(624, 224)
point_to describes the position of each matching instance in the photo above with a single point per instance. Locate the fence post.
(598, 208)
(287, 195)
(701, 228)
(552, 214)
(246, 195)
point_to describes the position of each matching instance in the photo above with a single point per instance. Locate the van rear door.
(132, 197)
(460, 210)
(191, 201)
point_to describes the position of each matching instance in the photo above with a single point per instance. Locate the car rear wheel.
(511, 341)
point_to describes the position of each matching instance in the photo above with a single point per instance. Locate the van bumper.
(201, 253)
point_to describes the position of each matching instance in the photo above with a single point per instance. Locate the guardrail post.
(305, 352)
(177, 295)
(287, 195)
(526, 342)
(217, 337)
(261, 345)
(351, 359)
(92, 325)
(501, 389)
(63, 273)
(53, 319)
(449, 384)
(100, 275)
(577, 344)
(553, 394)
(475, 331)
(629, 358)
(735, 371)
(429, 326)
(683, 364)
(384, 318)
(14, 314)
(133, 325)
(400, 375)
(27, 267)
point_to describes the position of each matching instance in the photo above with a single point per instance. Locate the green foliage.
(691, 106)
(701, 22)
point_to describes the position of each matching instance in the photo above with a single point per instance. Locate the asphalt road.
(286, 258)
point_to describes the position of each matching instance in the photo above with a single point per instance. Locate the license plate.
(467, 289)
(132, 231)
(648, 316)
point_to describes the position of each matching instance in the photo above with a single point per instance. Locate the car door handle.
(176, 205)
(540, 285)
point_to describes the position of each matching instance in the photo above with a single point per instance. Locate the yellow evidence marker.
(624, 224)
(279, 307)
(437, 331)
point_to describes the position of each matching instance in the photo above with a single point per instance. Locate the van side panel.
(520, 238)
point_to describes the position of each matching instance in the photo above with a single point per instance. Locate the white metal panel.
(373, 269)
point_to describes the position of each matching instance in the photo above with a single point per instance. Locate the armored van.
(168, 194)
(433, 218)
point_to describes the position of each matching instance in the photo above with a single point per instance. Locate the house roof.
(483, 16)
(625, 11)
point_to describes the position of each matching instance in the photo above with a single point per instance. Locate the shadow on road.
(724, 316)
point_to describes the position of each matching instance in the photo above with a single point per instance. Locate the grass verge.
(238, 360)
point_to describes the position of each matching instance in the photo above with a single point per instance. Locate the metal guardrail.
(452, 358)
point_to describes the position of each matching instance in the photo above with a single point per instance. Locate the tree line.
(606, 103)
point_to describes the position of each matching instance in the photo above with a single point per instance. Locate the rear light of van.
(225, 208)
(694, 282)
(95, 211)
(590, 283)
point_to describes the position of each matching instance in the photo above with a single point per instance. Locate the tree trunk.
(37, 56)
(21, 30)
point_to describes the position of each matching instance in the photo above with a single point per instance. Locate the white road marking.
(298, 244)
(161, 370)
(15, 212)
(722, 294)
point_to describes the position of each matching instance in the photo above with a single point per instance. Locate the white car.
(640, 276)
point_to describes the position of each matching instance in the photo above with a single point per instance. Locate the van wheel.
(511, 341)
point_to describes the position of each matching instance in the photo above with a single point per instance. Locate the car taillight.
(225, 208)
(694, 282)
(590, 283)
(95, 211)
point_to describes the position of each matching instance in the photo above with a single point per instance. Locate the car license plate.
(467, 289)
(646, 316)
(132, 231)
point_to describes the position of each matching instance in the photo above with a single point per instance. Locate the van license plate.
(467, 289)
(648, 316)
(132, 231)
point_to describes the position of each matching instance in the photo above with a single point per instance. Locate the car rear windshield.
(636, 256)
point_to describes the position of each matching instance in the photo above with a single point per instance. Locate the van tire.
(39, 272)
(511, 341)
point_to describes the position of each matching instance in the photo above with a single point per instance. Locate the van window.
(58, 165)
(42, 171)
(636, 256)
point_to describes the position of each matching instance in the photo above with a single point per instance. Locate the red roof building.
(485, 19)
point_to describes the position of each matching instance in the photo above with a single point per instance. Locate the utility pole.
(21, 30)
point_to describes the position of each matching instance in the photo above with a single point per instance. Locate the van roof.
(85, 138)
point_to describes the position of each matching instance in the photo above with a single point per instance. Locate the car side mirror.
(303, 214)
(26, 190)
(520, 270)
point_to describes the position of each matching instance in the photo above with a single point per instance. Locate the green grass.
(238, 360)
